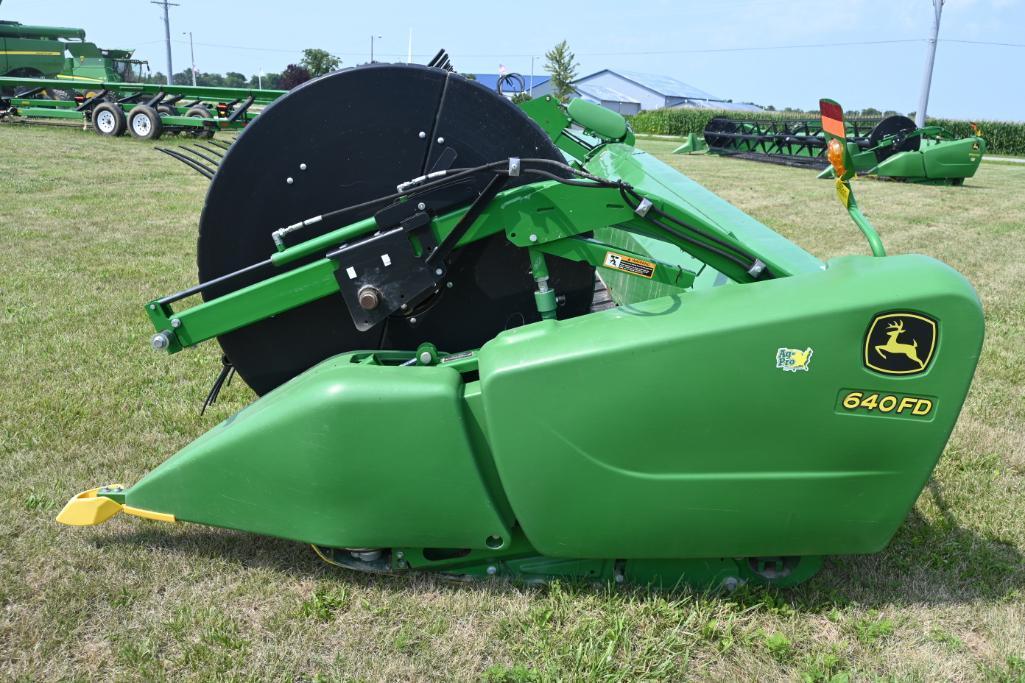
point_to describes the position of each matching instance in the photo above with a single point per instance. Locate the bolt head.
(422, 135)
(160, 341)
(425, 357)
(152, 307)
(449, 284)
(439, 272)
(176, 323)
(533, 238)
(302, 167)
(441, 141)
(412, 321)
(289, 180)
(403, 306)
(421, 206)
(492, 569)
(400, 554)
(369, 298)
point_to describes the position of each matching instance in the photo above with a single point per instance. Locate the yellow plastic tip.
(87, 509)
(148, 514)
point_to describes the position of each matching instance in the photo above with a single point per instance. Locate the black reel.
(900, 127)
(348, 138)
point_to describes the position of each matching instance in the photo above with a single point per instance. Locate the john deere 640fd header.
(409, 284)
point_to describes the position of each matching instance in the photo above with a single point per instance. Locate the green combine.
(892, 147)
(61, 53)
(416, 287)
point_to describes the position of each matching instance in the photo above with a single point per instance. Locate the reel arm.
(625, 190)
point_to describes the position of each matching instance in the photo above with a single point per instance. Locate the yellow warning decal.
(843, 193)
(859, 401)
(629, 264)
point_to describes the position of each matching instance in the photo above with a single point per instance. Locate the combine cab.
(891, 148)
(91, 64)
(410, 285)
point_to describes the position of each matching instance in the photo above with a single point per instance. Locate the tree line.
(560, 63)
(315, 62)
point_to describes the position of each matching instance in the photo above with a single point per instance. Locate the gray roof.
(665, 85)
(716, 104)
(603, 94)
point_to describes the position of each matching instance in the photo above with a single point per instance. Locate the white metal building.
(629, 92)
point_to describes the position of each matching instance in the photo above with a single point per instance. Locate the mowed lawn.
(93, 228)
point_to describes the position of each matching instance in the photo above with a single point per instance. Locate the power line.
(981, 42)
(627, 53)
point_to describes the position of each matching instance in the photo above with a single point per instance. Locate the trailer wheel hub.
(105, 121)
(141, 125)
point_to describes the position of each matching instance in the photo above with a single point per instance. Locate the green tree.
(234, 79)
(319, 62)
(563, 68)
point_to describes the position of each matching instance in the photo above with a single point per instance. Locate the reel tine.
(216, 162)
(199, 168)
(212, 151)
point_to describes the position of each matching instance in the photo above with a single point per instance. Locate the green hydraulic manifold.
(744, 411)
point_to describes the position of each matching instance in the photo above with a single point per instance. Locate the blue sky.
(706, 44)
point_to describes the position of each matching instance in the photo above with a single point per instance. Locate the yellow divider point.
(87, 509)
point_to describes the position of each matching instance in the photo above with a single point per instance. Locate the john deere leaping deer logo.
(900, 343)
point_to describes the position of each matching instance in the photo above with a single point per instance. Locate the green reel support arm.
(838, 151)
(623, 190)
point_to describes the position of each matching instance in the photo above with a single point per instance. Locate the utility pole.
(409, 53)
(167, 33)
(923, 100)
(192, 53)
(372, 47)
(532, 75)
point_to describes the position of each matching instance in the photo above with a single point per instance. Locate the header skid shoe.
(740, 410)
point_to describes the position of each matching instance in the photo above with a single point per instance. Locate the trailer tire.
(109, 120)
(198, 112)
(168, 110)
(144, 123)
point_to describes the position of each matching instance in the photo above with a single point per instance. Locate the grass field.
(92, 228)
